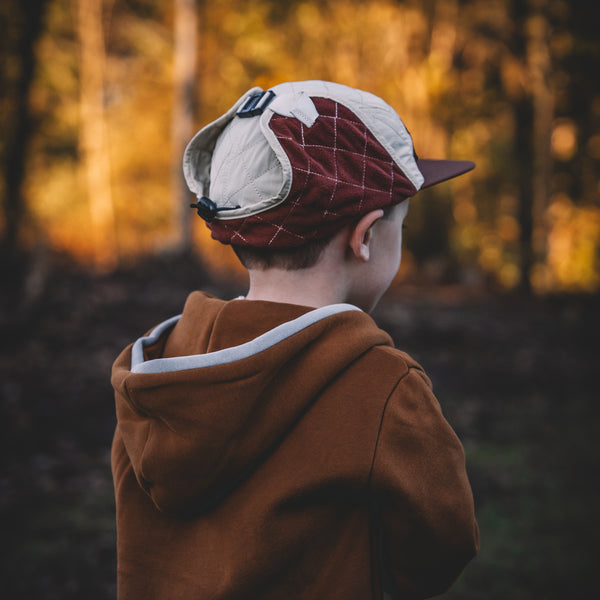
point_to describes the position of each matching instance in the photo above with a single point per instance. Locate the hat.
(297, 162)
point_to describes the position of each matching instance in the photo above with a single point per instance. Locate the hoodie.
(267, 450)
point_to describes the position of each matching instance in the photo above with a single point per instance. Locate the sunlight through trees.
(512, 86)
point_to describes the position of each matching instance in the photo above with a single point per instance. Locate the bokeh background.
(497, 295)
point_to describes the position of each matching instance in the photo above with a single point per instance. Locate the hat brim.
(436, 171)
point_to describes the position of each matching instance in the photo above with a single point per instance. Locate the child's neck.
(313, 287)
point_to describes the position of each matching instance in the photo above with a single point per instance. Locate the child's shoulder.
(403, 361)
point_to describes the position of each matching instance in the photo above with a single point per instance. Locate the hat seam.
(335, 163)
(364, 157)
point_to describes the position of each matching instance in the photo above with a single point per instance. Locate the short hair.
(289, 259)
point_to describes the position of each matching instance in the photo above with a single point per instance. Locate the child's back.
(278, 445)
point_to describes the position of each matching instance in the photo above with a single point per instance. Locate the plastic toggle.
(206, 208)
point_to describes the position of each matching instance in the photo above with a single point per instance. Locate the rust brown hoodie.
(272, 451)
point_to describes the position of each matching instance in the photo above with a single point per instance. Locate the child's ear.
(360, 236)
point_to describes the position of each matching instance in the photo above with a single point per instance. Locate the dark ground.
(515, 378)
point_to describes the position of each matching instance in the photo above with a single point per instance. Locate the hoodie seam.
(378, 574)
(134, 405)
(145, 483)
(383, 413)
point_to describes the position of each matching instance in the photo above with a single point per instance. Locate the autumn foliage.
(117, 86)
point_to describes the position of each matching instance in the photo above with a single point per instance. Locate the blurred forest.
(497, 295)
(100, 96)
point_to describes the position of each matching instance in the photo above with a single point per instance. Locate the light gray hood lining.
(228, 355)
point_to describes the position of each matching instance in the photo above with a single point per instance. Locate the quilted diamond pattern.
(340, 171)
(243, 151)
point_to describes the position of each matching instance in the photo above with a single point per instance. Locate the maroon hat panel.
(339, 172)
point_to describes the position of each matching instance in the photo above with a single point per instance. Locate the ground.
(515, 377)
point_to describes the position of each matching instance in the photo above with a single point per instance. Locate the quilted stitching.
(379, 115)
(339, 171)
(243, 159)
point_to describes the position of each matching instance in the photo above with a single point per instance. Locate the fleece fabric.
(268, 451)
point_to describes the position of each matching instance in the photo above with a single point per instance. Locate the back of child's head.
(284, 170)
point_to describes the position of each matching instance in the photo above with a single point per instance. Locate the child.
(278, 446)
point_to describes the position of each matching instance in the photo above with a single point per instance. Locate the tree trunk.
(533, 122)
(539, 66)
(182, 122)
(523, 157)
(93, 139)
(19, 134)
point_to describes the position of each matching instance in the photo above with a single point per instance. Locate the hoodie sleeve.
(423, 499)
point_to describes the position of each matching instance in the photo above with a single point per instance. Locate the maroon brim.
(436, 171)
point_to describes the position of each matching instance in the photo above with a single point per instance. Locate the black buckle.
(256, 104)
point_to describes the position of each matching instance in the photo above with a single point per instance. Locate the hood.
(207, 396)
